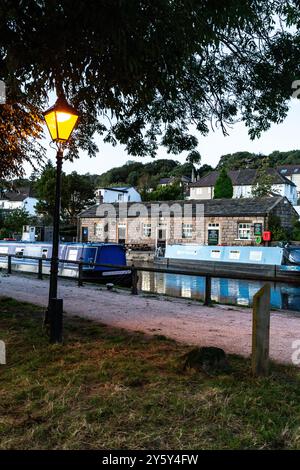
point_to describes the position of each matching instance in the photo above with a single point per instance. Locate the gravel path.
(187, 321)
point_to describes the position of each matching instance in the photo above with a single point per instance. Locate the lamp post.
(61, 120)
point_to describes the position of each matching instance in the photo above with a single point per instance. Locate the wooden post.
(9, 264)
(80, 282)
(2, 352)
(134, 289)
(207, 298)
(40, 271)
(261, 331)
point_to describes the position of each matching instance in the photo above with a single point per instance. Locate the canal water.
(225, 291)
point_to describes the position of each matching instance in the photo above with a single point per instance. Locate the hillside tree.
(77, 193)
(264, 180)
(223, 186)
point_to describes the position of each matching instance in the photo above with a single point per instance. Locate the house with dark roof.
(243, 182)
(207, 221)
(183, 180)
(20, 198)
(117, 194)
(291, 172)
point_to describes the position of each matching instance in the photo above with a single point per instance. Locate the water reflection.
(226, 291)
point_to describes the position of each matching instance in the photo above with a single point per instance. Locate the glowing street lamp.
(61, 120)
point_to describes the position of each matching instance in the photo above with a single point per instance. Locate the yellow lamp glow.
(61, 119)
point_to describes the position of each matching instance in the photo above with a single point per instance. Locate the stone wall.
(286, 212)
(228, 233)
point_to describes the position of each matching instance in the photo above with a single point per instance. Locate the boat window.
(72, 255)
(215, 253)
(44, 252)
(3, 250)
(19, 251)
(255, 256)
(234, 254)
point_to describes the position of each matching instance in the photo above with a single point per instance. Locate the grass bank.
(106, 388)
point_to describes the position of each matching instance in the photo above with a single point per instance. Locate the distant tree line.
(240, 160)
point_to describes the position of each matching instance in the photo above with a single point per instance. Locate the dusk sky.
(285, 136)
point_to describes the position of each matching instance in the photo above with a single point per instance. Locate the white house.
(243, 182)
(111, 195)
(292, 172)
(20, 198)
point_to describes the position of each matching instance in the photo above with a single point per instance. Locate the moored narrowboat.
(70, 254)
(241, 260)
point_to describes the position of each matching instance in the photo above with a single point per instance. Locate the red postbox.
(267, 236)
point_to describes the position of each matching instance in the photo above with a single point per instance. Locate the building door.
(122, 233)
(84, 234)
(213, 234)
(161, 239)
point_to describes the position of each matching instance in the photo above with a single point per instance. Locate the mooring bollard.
(207, 299)
(56, 320)
(261, 331)
(134, 289)
(40, 271)
(9, 264)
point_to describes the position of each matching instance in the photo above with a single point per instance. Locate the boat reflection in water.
(225, 291)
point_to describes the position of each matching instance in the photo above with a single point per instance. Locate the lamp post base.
(56, 320)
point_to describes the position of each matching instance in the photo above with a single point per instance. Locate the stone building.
(215, 222)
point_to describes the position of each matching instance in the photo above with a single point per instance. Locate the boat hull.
(236, 270)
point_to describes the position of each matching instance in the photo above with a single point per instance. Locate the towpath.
(183, 320)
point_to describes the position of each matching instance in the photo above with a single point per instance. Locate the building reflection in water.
(230, 291)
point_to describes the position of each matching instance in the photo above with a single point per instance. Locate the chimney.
(193, 179)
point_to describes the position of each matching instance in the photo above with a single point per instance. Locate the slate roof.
(212, 207)
(18, 195)
(242, 177)
(289, 170)
(173, 179)
(118, 190)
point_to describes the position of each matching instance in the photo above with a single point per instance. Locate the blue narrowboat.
(241, 260)
(99, 253)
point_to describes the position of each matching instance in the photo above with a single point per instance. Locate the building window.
(98, 230)
(244, 231)
(121, 233)
(147, 230)
(187, 230)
